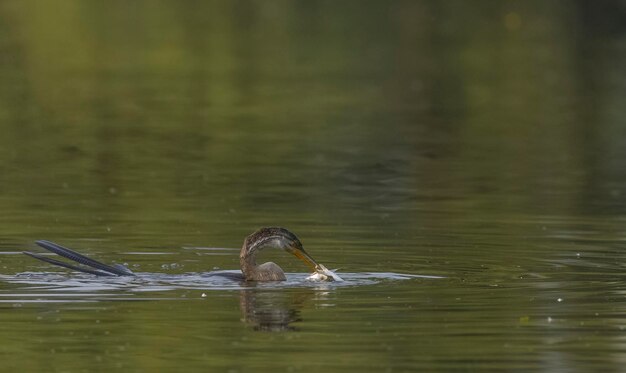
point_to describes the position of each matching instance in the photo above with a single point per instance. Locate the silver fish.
(323, 274)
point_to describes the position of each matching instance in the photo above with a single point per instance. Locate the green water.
(483, 142)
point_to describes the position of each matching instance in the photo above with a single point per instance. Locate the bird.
(268, 237)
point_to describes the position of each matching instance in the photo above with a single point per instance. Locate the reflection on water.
(271, 306)
(273, 311)
(482, 142)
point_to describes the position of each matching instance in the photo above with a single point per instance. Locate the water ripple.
(50, 286)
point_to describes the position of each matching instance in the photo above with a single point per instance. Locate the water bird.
(269, 237)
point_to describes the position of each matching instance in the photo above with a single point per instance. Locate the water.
(460, 163)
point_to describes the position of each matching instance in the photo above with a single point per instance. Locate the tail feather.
(68, 265)
(99, 268)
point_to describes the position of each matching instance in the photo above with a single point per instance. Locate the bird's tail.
(89, 265)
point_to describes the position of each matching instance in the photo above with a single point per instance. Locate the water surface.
(480, 142)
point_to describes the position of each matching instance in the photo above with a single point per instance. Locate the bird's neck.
(264, 272)
(247, 261)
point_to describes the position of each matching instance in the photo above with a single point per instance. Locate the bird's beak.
(306, 258)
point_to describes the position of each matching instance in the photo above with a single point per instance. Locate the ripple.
(48, 286)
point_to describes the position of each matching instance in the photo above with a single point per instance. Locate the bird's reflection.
(272, 310)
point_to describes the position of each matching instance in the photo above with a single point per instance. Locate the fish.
(323, 274)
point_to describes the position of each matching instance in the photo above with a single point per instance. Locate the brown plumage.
(272, 237)
(279, 238)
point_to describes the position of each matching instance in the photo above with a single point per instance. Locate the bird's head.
(275, 237)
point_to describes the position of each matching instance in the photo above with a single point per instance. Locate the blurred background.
(207, 112)
(484, 141)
